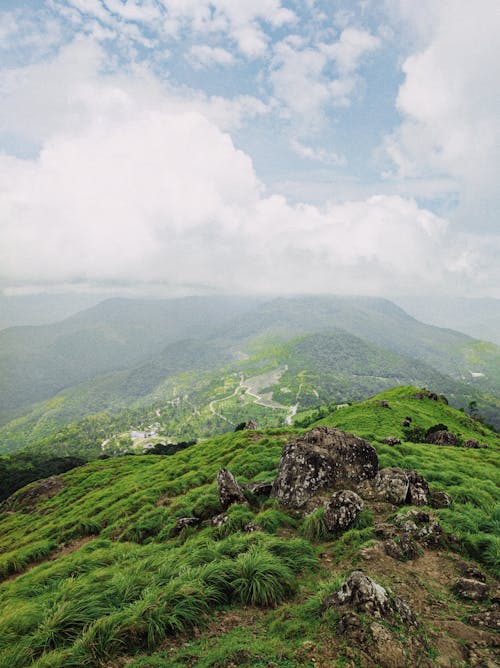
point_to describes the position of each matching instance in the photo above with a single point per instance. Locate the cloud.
(135, 184)
(75, 89)
(243, 23)
(301, 78)
(202, 56)
(450, 103)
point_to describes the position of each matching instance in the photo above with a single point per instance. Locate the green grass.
(122, 580)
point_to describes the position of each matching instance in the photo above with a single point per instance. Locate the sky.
(250, 146)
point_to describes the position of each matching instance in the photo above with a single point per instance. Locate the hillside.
(477, 317)
(38, 362)
(97, 571)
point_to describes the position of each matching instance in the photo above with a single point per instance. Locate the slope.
(38, 362)
(94, 568)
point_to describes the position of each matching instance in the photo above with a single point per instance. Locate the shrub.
(314, 526)
(262, 579)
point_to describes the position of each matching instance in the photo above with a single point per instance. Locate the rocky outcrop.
(489, 618)
(28, 498)
(342, 509)
(229, 490)
(361, 594)
(322, 459)
(471, 589)
(391, 440)
(442, 437)
(396, 486)
(390, 484)
(418, 490)
(184, 522)
(409, 534)
(439, 499)
(472, 443)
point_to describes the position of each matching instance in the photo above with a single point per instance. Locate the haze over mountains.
(182, 355)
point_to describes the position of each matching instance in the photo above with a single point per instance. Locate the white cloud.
(202, 56)
(71, 91)
(316, 153)
(450, 103)
(144, 186)
(300, 76)
(244, 23)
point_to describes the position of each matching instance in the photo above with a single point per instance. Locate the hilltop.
(101, 569)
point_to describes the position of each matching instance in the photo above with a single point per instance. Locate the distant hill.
(38, 362)
(42, 309)
(201, 363)
(479, 318)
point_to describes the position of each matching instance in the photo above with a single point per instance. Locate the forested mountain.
(199, 366)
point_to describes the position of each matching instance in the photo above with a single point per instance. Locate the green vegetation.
(94, 377)
(99, 569)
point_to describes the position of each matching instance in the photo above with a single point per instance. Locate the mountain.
(243, 360)
(42, 309)
(98, 570)
(38, 362)
(476, 317)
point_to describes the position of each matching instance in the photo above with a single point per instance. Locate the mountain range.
(200, 365)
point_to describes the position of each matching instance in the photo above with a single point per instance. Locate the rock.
(440, 499)
(251, 425)
(219, 520)
(408, 418)
(391, 440)
(394, 550)
(342, 509)
(392, 485)
(489, 618)
(260, 488)
(28, 498)
(406, 423)
(442, 437)
(323, 458)
(361, 594)
(470, 571)
(251, 527)
(229, 490)
(473, 590)
(418, 491)
(471, 443)
(184, 522)
(404, 611)
(382, 403)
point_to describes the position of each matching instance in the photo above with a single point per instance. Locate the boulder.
(471, 589)
(361, 594)
(184, 522)
(392, 485)
(442, 437)
(251, 527)
(418, 490)
(471, 443)
(489, 618)
(440, 499)
(391, 440)
(322, 459)
(229, 490)
(219, 520)
(470, 571)
(342, 509)
(27, 499)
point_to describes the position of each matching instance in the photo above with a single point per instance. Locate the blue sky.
(263, 146)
